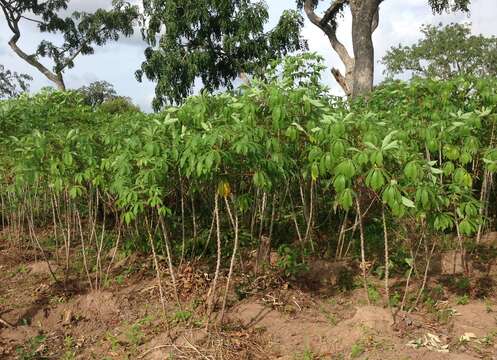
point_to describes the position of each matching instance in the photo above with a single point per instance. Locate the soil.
(268, 317)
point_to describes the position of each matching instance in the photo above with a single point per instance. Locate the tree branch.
(332, 11)
(55, 78)
(330, 31)
(342, 81)
(376, 20)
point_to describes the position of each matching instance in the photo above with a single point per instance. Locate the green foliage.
(356, 350)
(97, 93)
(373, 294)
(182, 316)
(418, 149)
(33, 349)
(119, 105)
(69, 353)
(290, 261)
(445, 52)
(101, 95)
(12, 84)
(449, 5)
(216, 41)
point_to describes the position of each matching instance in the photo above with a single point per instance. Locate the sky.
(400, 21)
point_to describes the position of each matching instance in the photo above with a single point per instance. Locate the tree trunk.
(57, 79)
(363, 16)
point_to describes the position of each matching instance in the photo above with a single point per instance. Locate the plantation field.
(271, 222)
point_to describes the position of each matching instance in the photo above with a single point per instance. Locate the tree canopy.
(12, 83)
(216, 41)
(444, 52)
(97, 92)
(81, 31)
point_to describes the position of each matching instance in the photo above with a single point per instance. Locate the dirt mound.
(373, 317)
(476, 317)
(41, 268)
(98, 305)
(312, 330)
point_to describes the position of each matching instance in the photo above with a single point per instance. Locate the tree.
(119, 105)
(102, 95)
(216, 41)
(445, 51)
(12, 83)
(81, 32)
(359, 68)
(98, 92)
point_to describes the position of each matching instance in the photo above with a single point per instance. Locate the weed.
(289, 261)
(134, 334)
(356, 350)
(33, 349)
(332, 319)
(69, 353)
(395, 299)
(114, 342)
(182, 316)
(374, 295)
(305, 355)
(462, 300)
(444, 315)
(21, 269)
(119, 279)
(463, 285)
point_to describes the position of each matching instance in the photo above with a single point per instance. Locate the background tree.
(359, 68)
(119, 105)
(97, 92)
(215, 41)
(81, 32)
(102, 95)
(12, 83)
(445, 52)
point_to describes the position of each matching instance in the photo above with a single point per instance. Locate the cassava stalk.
(363, 254)
(233, 257)
(387, 262)
(156, 265)
(169, 257)
(212, 291)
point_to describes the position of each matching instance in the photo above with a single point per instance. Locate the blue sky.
(116, 63)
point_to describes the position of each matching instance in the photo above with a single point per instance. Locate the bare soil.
(268, 318)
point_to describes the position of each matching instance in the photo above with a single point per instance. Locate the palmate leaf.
(387, 142)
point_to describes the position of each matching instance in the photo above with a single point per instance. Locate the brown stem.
(212, 291)
(156, 265)
(233, 257)
(363, 254)
(387, 262)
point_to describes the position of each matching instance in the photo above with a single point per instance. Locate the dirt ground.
(267, 318)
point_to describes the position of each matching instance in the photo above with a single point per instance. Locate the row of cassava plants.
(277, 159)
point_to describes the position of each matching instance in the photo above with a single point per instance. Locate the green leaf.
(407, 202)
(345, 199)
